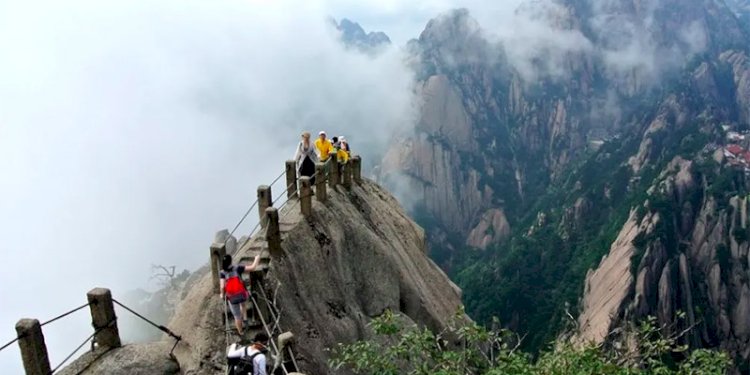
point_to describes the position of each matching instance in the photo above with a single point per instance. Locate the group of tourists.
(309, 152)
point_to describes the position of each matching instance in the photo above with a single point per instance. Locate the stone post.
(291, 179)
(218, 250)
(346, 169)
(333, 173)
(33, 348)
(273, 233)
(305, 199)
(264, 201)
(320, 182)
(103, 318)
(356, 163)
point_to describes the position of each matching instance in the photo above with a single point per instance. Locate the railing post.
(264, 201)
(33, 348)
(346, 169)
(273, 233)
(333, 173)
(103, 318)
(291, 179)
(305, 199)
(356, 162)
(320, 182)
(218, 250)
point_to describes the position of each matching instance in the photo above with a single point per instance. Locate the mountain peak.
(353, 35)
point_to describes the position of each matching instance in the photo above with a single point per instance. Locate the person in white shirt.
(248, 359)
(306, 157)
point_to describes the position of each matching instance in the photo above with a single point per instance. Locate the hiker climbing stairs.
(265, 242)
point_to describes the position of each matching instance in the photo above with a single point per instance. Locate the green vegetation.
(466, 348)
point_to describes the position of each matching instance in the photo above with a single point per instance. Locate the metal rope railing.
(87, 340)
(249, 210)
(11, 342)
(65, 314)
(166, 330)
(295, 181)
(276, 350)
(96, 331)
(160, 327)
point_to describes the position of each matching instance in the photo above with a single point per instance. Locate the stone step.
(286, 227)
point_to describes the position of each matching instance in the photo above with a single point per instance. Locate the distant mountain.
(353, 35)
(597, 128)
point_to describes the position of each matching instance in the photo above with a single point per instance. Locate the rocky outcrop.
(694, 261)
(358, 256)
(133, 359)
(741, 75)
(611, 283)
(431, 160)
(492, 227)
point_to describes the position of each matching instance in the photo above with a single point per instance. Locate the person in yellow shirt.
(324, 146)
(342, 153)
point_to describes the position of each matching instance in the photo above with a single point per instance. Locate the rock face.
(359, 256)
(694, 260)
(611, 283)
(492, 228)
(433, 157)
(133, 359)
(356, 257)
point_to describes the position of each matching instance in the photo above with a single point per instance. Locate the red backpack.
(235, 288)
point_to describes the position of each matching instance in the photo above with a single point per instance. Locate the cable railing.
(29, 331)
(31, 338)
(252, 206)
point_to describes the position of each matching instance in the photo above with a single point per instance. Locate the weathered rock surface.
(358, 256)
(492, 227)
(610, 284)
(132, 359)
(701, 270)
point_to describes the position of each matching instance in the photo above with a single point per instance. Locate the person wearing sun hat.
(324, 146)
(342, 151)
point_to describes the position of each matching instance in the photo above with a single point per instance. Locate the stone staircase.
(246, 253)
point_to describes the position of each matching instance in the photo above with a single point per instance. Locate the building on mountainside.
(738, 156)
(735, 136)
(733, 151)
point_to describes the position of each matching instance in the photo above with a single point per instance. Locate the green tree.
(464, 348)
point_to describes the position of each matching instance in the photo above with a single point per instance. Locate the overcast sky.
(131, 131)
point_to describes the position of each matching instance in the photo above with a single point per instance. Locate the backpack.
(235, 288)
(244, 365)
